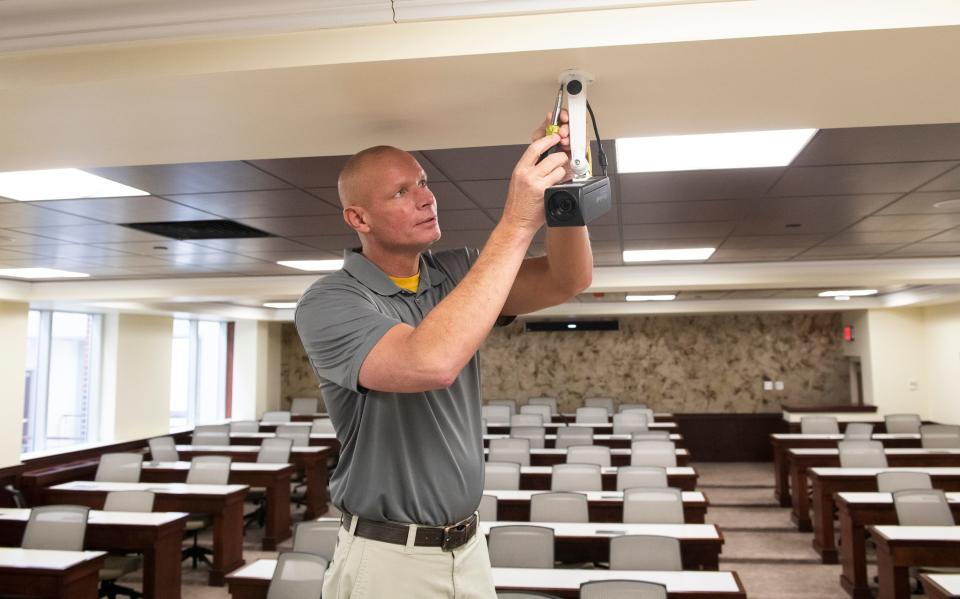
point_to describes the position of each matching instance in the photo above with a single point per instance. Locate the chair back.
(535, 434)
(511, 404)
(244, 426)
(589, 454)
(606, 403)
(645, 552)
(653, 506)
(653, 453)
(56, 527)
(593, 415)
(641, 476)
(304, 405)
(521, 546)
(576, 477)
(501, 476)
(119, 468)
(862, 431)
(163, 449)
(622, 589)
(627, 423)
(574, 435)
(487, 509)
(526, 420)
(559, 506)
(209, 470)
(899, 480)
(940, 436)
(903, 424)
(819, 425)
(275, 417)
(299, 434)
(275, 451)
(862, 454)
(297, 576)
(550, 402)
(510, 450)
(316, 537)
(129, 501)
(543, 411)
(922, 507)
(322, 426)
(498, 414)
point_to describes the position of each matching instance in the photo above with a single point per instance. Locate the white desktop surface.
(609, 496)
(102, 517)
(44, 559)
(615, 529)
(919, 533)
(167, 488)
(860, 497)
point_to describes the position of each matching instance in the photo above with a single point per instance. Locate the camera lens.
(562, 206)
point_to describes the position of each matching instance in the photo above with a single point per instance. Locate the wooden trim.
(726, 437)
(829, 408)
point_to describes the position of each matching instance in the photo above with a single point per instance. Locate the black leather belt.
(447, 538)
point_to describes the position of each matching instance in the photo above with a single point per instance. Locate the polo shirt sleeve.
(338, 327)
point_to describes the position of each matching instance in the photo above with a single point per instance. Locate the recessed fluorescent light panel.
(744, 149)
(848, 293)
(40, 273)
(280, 305)
(652, 298)
(61, 184)
(313, 265)
(682, 254)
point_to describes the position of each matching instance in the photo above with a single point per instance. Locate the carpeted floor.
(773, 560)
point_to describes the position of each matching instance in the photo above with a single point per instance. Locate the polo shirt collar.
(368, 273)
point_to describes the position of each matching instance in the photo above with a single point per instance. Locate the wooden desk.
(781, 442)
(312, 461)
(826, 482)
(572, 417)
(44, 573)
(537, 478)
(618, 457)
(275, 478)
(251, 582)
(598, 428)
(801, 460)
(900, 547)
(224, 503)
(857, 512)
(603, 506)
(612, 441)
(843, 418)
(941, 586)
(157, 535)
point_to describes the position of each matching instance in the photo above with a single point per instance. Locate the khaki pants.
(362, 569)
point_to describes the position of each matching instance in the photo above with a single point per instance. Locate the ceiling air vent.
(199, 229)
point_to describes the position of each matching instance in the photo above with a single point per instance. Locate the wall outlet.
(779, 385)
(913, 385)
(768, 385)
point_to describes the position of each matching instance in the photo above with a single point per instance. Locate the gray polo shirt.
(405, 457)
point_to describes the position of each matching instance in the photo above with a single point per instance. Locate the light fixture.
(842, 298)
(848, 293)
(948, 204)
(41, 273)
(280, 305)
(743, 149)
(313, 265)
(61, 184)
(688, 254)
(652, 298)
(571, 326)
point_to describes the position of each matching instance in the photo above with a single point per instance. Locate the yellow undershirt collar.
(408, 283)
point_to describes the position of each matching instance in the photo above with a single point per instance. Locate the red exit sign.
(848, 333)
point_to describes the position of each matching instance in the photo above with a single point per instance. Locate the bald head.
(354, 184)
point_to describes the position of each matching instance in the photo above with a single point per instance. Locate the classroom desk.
(224, 503)
(603, 506)
(801, 460)
(312, 461)
(537, 478)
(781, 442)
(612, 441)
(792, 419)
(941, 586)
(900, 547)
(157, 535)
(826, 482)
(251, 582)
(618, 457)
(46, 573)
(572, 417)
(598, 428)
(275, 478)
(857, 512)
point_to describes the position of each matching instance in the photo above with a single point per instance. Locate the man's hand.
(564, 123)
(524, 205)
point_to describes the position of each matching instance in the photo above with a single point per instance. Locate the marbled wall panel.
(695, 363)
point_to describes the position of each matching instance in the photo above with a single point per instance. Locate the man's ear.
(356, 219)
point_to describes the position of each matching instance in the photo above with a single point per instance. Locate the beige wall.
(942, 339)
(713, 363)
(897, 361)
(256, 368)
(13, 367)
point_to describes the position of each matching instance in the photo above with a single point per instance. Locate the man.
(394, 339)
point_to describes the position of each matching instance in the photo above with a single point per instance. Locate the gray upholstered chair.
(653, 453)
(501, 476)
(641, 476)
(487, 509)
(653, 505)
(521, 546)
(862, 454)
(118, 565)
(204, 470)
(574, 435)
(622, 589)
(589, 454)
(304, 405)
(297, 576)
(576, 477)
(56, 527)
(510, 450)
(559, 506)
(645, 552)
(163, 449)
(119, 468)
(819, 425)
(903, 424)
(318, 537)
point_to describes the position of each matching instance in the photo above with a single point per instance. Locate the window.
(62, 381)
(198, 372)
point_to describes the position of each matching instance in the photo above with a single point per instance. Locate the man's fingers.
(539, 146)
(551, 162)
(555, 176)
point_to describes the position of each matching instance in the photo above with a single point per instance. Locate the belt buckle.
(455, 535)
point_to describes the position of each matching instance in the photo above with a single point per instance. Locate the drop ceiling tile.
(327, 194)
(607, 259)
(19, 214)
(459, 239)
(138, 209)
(685, 186)
(928, 249)
(683, 212)
(302, 226)
(601, 245)
(921, 202)
(13, 239)
(330, 242)
(757, 242)
(165, 248)
(218, 261)
(878, 237)
(92, 234)
(947, 181)
(672, 244)
(449, 197)
(75, 251)
(754, 255)
(911, 222)
(702, 295)
(323, 171)
(816, 214)
(677, 231)
(198, 177)
(13, 254)
(252, 244)
(906, 143)
(463, 164)
(171, 270)
(126, 261)
(489, 193)
(257, 204)
(858, 178)
(306, 254)
(848, 251)
(947, 236)
(28, 261)
(264, 269)
(751, 293)
(604, 233)
(463, 220)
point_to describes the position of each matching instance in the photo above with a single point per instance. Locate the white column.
(898, 361)
(13, 372)
(256, 368)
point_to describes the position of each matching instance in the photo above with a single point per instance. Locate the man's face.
(401, 210)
